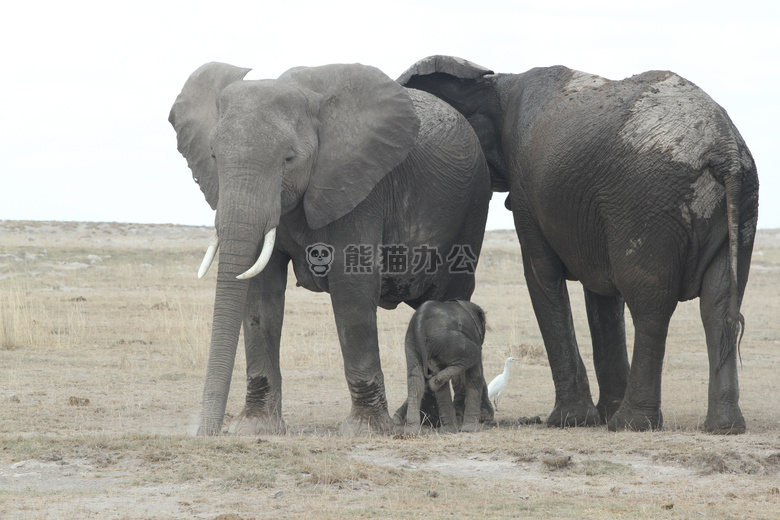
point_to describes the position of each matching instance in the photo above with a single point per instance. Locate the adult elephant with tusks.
(644, 191)
(342, 163)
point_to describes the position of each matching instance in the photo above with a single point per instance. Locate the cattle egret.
(499, 382)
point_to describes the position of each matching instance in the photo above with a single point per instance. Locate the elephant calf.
(443, 344)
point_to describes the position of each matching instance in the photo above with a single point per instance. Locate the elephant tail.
(739, 177)
(735, 322)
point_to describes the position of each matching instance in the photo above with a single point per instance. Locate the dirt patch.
(734, 462)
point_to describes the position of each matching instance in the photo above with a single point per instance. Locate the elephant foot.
(728, 422)
(471, 426)
(409, 429)
(254, 422)
(488, 422)
(607, 407)
(367, 424)
(487, 416)
(628, 419)
(399, 418)
(573, 414)
(450, 428)
(210, 426)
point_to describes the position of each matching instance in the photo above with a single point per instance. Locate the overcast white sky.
(87, 85)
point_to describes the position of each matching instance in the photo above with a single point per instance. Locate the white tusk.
(262, 260)
(211, 252)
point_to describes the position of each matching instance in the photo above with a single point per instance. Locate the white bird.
(499, 382)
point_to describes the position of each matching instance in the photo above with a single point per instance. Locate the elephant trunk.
(243, 219)
(228, 314)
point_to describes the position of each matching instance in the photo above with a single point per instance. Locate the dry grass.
(104, 333)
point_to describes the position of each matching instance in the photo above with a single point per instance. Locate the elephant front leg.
(354, 307)
(608, 334)
(550, 299)
(262, 412)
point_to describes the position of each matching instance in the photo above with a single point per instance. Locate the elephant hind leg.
(486, 412)
(723, 412)
(608, 333)
(641, 406)
(447, 415)
(474, 383)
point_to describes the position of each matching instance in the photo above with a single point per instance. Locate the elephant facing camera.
(319, 256)
(348, 143)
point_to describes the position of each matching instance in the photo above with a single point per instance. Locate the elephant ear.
(460, 83)
(449, 65)
(367, 126)
(194, 114)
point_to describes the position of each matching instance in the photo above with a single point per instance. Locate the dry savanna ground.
(103, 345)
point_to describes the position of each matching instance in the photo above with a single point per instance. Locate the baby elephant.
(443, 343)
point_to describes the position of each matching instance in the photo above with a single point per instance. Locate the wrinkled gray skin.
(338, 155)
(641, 189)
(443, 344)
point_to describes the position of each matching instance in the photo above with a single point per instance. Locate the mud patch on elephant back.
(707, 194)
(674, 117)
(581, 81)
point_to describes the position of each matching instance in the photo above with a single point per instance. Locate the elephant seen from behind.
(644, 191)
(444, 343)
(374, 193)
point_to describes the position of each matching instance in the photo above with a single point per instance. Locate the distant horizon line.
(206, 225)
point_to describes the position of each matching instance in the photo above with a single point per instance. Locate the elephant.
(641, 189)
(337, 158)
(444, 343)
